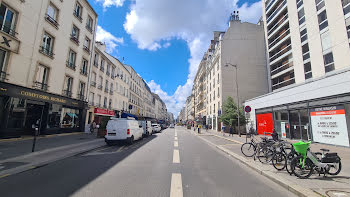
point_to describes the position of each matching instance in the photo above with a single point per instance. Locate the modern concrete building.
(309, 55)
(235, 57)
(108, 90)
(45, 56)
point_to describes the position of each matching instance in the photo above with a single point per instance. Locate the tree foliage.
(229, 113)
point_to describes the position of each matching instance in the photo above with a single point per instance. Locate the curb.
(31, 166)
(39, 137)
(294, 188)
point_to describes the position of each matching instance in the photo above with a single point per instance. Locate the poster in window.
(283, 129)
(264, 123)
(329, 125)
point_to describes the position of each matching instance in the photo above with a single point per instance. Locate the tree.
(229, 113)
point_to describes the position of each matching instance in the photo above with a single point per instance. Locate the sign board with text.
(329, 125)
(104, 112)
(264, 123)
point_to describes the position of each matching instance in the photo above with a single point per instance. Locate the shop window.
(69, 118)
(54, 117)
(16, 118)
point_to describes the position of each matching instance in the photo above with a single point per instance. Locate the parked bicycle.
(304, 164)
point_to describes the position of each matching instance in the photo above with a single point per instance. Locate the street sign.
(247, 109)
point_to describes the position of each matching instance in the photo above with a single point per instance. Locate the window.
(51, 15)
(326, 40)
(218, 78)
(110, 104)
(47, 45)
(303, 35)
(75, 34)
(87, 42)
(96, 60)
(89, 23)
(3, 62)
(299, 3)
(218, 92)
(113, 72)
(322, 20)
(91, 98)
(328, 62)
(102, 67)
(347, 23)
(81, 92)
(71, 59)
(306, 53)
(111, 89)
(307, 70)
(7, 19)
(67, 91)
(84, 67)
(106, 86)
(108, 72)
(105, 102)
(100, 79)
(93, 79)
(301, 16)
(78, 11)
(319, 4)
(99, 100)
(41, 77)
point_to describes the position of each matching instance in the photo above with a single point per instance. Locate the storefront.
(22, 107)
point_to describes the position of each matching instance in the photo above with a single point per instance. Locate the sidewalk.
(316, 185)
(16, 156)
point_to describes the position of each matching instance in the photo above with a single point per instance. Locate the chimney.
(123, 60)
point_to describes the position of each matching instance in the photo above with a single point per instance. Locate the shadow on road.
(64, 177)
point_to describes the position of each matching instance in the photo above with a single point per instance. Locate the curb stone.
(294, 188)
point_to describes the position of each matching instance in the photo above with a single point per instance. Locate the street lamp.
(238, 106)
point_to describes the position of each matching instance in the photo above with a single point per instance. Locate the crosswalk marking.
(176, 185)
(176, 156)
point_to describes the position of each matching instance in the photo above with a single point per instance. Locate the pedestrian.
(274, 135)
(93, 126)
(206, 127)
(231, 131)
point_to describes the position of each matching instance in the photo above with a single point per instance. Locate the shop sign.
(264, 123)
(106, 112)
(329, 125)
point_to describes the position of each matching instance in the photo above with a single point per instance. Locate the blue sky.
(164, 40)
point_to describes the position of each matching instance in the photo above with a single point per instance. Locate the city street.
(172, 163)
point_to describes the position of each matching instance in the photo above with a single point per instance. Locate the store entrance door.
(33, 115)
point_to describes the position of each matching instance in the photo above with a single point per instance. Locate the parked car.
(123, 129)
(172, 126)
(163, 126)
(156, 128)
(147, 128)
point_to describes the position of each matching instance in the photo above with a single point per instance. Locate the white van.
(147, 128)
(156, 127)
(123, 129)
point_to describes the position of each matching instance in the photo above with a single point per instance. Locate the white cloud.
(151, 22)
(110, 40)
(109, 3)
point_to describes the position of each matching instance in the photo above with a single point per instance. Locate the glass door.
(304, 123)
(294, 124)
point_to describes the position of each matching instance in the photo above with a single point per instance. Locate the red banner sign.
(264, 123)
(104, 112)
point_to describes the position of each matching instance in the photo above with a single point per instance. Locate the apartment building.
(135, 93)
(108, 90)
(235, 57)
(160, 108)
(45, 56)
(189, 106)
(148, 101)
(308, 53)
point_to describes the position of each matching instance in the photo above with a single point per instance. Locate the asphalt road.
(155, 166)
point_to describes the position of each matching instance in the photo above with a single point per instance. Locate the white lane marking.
(176, 156)
(176, 144)
(175, 138)
(176, 185)
(175, 134)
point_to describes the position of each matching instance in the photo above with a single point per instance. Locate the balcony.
(74, 39)
(280, 37)
(2, 76)
(267, 8)
(99, 87)
(67, 93)
(96, 64)
(51, 20)
(284, 65)
(102, 69)
(70, 65)
(40, 86)
(91, 103)
(93, 83)
(276, 12)
(78, 16)
(10, 30)
(271, 30)
(81, 97)
(280, 52)
(284, 80)
(46, 51)
(111, 92)
(108, 73)
(86, 49)
(106, 90)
